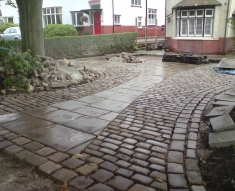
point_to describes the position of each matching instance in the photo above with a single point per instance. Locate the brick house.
(100, 16)
(199, 26)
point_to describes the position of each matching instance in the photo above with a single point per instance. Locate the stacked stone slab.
(185, 58)
(221, 119)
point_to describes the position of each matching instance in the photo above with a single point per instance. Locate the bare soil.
(16, 176)
(217, 165)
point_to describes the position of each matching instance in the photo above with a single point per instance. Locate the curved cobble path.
(153, 141)
(150, 145)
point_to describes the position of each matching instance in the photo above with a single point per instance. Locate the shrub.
(23, 65)
(57, 30)
(80, 46)
(86, 32)
(6, 25)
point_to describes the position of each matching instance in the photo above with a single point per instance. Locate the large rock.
(75, 75)
(221, 123)
(65, 62)
(217, 111)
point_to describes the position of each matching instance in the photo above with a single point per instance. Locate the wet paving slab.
(59, 137)
(87, 124)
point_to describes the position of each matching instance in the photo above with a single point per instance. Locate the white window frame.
(205, 26)
(76, 21)
(152, 16)
(196, 26)
(139, 21)
(182, 13)
(199, 15)
(193, 27)
(209, 15)
(181, 28)
(6, 19)
(117, 19)
(136, 2)
(52, 13)
(211, 28)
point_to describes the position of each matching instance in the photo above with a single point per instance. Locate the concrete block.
(222, 139)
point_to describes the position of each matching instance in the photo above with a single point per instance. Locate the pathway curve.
(150, 129)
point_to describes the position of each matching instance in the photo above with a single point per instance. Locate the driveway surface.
(135, 128)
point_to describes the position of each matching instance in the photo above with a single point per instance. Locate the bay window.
(194, 22)
(52, 15)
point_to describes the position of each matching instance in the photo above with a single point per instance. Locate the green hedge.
(88, 45)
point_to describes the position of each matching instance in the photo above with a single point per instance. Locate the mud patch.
(15, 176)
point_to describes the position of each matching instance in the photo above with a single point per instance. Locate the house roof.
(193, 3)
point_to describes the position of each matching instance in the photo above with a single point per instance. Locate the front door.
(97, 23)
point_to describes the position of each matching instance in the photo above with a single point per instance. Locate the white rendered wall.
(9, 11)
(129, 13)
(67, 6)
(121, 7)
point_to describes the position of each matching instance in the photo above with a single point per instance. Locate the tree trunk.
(30, 12)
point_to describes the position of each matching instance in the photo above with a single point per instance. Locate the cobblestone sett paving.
(154, 138)
(150, 145)
(111, 76)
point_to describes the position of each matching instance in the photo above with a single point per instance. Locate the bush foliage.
(6, 25)
(23, 65)
(86, 32)
(87, 45)
(58, 30)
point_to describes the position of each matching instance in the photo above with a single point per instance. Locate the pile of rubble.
(221, 118)
(185, 58)
(58, 74)
(125, 58)
(151, 46)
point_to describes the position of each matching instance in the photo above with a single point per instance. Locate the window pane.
(209, 12)
(184, 13)
(48, 11)
(208, 26)
(184, 27)
(53, 19)
(79, 22)
(178, 13)
(199, 27)
(13, 30)
(191, 13)
(73, 18)
(199, 12)
(191, 27)
(52, 10)
(58, 10)
(10, 20)
(49, 19)
(178, 27)
(139, 22)
(44, 20)
(59, 19)
(44, 11)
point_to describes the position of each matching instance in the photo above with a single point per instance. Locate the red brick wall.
(199, 46)
(121, 29)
